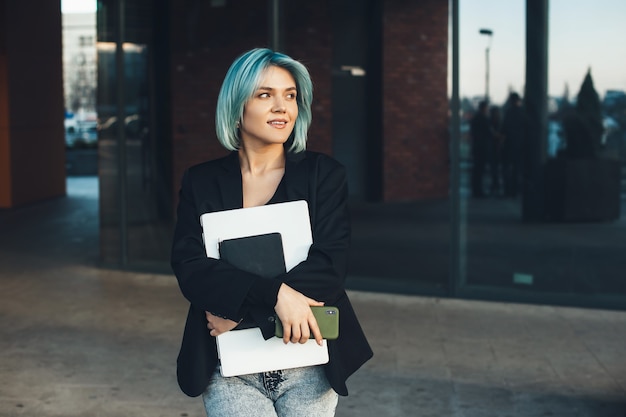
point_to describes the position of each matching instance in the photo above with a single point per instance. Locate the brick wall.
(32, 145)
(415, 107)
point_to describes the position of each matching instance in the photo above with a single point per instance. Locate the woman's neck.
(261, 172)
(261, 161)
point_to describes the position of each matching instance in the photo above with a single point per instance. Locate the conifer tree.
(589, 109)
(583, 124)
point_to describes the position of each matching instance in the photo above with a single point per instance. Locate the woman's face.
(269, 116)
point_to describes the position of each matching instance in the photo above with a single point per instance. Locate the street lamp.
(487, 32)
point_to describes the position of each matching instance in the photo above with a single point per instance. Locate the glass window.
(543, 184)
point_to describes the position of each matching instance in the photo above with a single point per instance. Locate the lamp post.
(489, 33)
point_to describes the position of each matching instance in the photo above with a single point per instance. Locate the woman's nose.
(279, 105)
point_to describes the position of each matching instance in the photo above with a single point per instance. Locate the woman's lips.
(279, 124)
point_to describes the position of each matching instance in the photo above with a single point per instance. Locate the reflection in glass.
(135, 221)
(574, 251)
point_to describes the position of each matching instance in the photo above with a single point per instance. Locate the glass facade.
(559, 238)
(134, 163)
(542, 201)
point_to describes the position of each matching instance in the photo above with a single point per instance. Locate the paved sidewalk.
(81, 341)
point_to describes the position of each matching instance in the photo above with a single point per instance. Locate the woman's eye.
(291, 96)
(264, 95)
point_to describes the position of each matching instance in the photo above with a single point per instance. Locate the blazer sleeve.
(209, 284)
(322, 276)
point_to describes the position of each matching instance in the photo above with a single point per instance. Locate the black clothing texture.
(215, 286)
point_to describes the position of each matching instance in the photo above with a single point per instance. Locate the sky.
(584, 34)
(78, 6)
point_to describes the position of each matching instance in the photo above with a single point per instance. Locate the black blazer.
(212, 285)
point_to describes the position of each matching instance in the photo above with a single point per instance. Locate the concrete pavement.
(79, 340)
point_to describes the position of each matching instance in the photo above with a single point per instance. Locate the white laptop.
(241, 353)
(245, 351)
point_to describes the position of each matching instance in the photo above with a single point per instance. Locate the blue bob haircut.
(240, 83)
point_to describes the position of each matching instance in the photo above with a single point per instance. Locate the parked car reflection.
(80, 132)
(135, 128)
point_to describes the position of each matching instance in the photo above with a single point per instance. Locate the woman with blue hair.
(263, 115)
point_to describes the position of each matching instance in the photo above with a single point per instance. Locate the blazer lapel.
(296, 176)
(229, 183)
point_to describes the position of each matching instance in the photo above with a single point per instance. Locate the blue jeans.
(289, 393)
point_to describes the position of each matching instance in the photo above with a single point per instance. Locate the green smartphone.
(327, 318)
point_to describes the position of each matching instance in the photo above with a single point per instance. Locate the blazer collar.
(296, 176)
(229, 182)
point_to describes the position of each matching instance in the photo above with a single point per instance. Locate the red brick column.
(415, 104)
(32, 144)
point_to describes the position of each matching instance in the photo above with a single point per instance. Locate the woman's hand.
(218, 325)
(294, 311)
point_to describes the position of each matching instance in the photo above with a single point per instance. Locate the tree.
(589, 109)
(583, 125)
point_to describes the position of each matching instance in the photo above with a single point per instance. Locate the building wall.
(31, 120)
(5, 145)
(415, 104)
